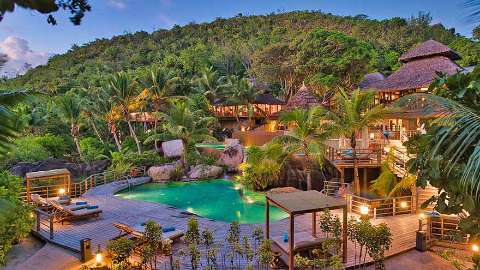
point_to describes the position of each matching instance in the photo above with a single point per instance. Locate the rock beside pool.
(204, 171)
(161, 173)
(173, 148)
(232, 156)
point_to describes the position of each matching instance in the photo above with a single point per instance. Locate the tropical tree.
(8, 130)
(210, 84)
(70, 109)
(241, 92)
(123, 91)
(352, 114)
(180, 122)
(161, 86)
(307, 137)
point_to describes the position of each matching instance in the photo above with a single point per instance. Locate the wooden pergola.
(62, 175)
(304, 202)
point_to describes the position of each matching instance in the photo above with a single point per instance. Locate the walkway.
(135, 212)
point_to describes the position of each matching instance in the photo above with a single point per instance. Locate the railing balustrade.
(382, 207)
(344, 156)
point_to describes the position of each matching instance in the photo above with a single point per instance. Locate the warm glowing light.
(98, 258)
(372, 136)
(364, 210)
(61, 191)
(422, 216)
(475, 248)
(249, 200)
(403, 205)
(237, 187)
(242, 128)
(31, 215)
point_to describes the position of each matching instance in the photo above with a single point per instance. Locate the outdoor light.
(364, 210)
(61, 191)
(98, 257)
(420, 221)
(31, 215)
(372, 136)
(237, 187)
(475, 248)
(242, 128)
(403, 204)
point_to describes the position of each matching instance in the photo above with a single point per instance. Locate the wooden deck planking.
(135, 212)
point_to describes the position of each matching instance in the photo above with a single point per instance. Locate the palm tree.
(182, 123)
(7, 127)
(354, 113)
(124, 92)
(71, 111)
(307, 137)
(161, 87)
(241, 92)
(210, 84)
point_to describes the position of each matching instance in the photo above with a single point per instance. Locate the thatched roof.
(371, 80)
(428, 49)
(303, 99)
(421, 66)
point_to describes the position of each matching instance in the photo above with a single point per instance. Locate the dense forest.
(281, 49)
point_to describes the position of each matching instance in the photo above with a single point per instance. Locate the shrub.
(35, 148)
(120, 249)
(15, 220)
(92, 149)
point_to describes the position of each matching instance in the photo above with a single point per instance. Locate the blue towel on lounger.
(92, 207)
(80, 203)
(168, 229)
(285, 237)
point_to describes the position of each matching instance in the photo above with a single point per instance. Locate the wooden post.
(51, 227)
(28, 190)
(38, 220)
(345, 217)
(375, 213)
(104, 178)
(394, 208)
(314, 224)
(267, 219)
(291, 243)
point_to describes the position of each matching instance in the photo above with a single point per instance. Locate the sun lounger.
(139, 230)
(62, 213)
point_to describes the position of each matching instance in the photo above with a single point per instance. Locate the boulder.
(172, 148)
(76, 170)
(204, 171)
(162, 172)
(231, 142)
(232, 156)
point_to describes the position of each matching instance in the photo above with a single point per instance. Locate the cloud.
(20, 56)
(118, 4)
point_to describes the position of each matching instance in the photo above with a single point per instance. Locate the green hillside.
(256, 45)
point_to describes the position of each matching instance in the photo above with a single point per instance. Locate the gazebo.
(303, 202)
(62, 175)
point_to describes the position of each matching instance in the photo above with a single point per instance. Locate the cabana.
(58, 175)
(303, 202)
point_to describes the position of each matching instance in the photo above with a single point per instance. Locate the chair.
(62, 213)
(138, 231)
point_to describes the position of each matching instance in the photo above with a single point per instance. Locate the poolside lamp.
(98, 257)
(61, 192)
(363, 210)
(420, 221)
(403, 204)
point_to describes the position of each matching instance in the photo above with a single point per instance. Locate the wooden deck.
(135, 212)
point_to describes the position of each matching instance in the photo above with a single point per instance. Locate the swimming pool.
(218, 199)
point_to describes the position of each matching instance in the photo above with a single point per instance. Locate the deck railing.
(77, 189)
(43, 221)
(344, 156)
(445, 227)
(335, 188)
(381, 207)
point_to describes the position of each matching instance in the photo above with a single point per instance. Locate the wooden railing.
(445, 227)
(381, 207)
(43, 221)
(344, 156)
(77, 189)
(335, 188)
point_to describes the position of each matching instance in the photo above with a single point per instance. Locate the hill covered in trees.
(282, 49)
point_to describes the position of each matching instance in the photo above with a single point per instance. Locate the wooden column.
(345, 218)
(314, 224)
(291, 243)
(267, 219)
(28, 190)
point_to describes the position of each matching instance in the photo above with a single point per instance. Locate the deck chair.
(40, 202)
(62, 213)
(137, 232)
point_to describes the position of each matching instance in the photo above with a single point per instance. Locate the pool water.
(218, 199)
(217, 146)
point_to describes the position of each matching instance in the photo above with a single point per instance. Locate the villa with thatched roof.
(420, 67)
(265, 105)
(303, 99)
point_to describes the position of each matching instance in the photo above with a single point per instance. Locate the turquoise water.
(217, 146)
(214, 199)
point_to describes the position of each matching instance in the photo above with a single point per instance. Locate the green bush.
(35, 148)
(92, 149)
(15, 220)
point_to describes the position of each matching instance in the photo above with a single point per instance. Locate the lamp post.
(420, 221)
(98, 257)
(476, 256)
(364, 212)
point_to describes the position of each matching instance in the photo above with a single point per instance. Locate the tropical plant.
(120, 250)
(179, 122)
(307, 137)
(263, 166)
(352, 114)
(210, 84)
(7, 127)
(192, 236)
(124, 92)
(240, 92)
(153, 240)
(70, 108)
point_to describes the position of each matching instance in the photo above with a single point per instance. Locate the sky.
(25, 36)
